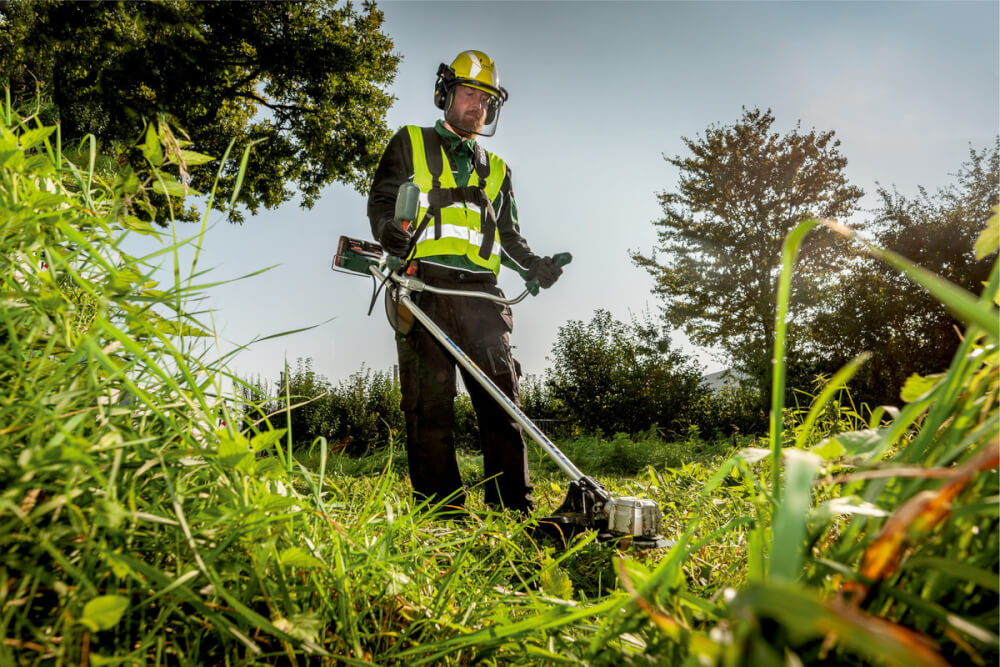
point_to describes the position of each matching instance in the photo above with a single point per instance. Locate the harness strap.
(470, 194)
(435, 165)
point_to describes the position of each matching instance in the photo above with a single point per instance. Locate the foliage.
(734, 408)
(624, 455)
(308, 416)
(741, 190)
(609, 377)
(359, 414)
(134, 532)
(305, 79)
(366, 405)
(876, 310)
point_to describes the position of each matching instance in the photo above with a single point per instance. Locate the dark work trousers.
(427, 378)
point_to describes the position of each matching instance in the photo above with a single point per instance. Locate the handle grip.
(559, 259)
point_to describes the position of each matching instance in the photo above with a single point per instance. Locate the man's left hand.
(546, 270)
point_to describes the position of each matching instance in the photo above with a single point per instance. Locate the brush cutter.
(588, 505)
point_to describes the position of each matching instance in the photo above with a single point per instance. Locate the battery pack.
(356, 255)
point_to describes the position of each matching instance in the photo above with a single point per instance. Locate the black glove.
(545, 269)
(394, 240)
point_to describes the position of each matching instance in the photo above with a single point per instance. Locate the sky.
(600, 92)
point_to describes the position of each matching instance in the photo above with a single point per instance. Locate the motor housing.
(633, 516)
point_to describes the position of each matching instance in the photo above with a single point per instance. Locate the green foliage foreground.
(132, 532)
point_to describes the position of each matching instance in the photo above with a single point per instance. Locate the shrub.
(608, 377)
(731, 409)
(366, 410)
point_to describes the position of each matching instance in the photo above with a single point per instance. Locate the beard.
(471, 121)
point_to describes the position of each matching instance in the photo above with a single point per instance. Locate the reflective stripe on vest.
(460, 228)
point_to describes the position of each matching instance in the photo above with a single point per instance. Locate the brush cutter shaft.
(412, 284)
(501, 398)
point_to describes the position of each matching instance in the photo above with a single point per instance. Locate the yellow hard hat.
(474, 69)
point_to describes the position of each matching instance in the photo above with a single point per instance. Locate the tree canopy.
(306, 80)
(879, 311)
(743, 187)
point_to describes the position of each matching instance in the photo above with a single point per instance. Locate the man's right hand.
(394, 240)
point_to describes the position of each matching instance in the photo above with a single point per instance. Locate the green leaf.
(269, 467)
(754, 454)
(167, 184)
(108, 513)
(962, 304)
(128, 180)
(917, 387)
(235, 454)
(266, 439)
(172, 328)
(841, 506)
(859, 443)
(132, 223)
(299, 557)
(192, 159)
(151, 149)
(989, 238)
(8, 155)
(790, 517)
(272, 502)
(103, 612)
(398, 582)
(122, 280)
(304, 627)
(829, 449)
(953, 567)
(32, 138)
(805, 615)
(555, 582)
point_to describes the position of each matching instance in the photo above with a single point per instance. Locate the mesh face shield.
(468, 123)
(449, 84)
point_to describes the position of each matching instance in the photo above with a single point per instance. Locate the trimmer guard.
(628, 521)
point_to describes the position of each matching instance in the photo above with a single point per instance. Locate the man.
(466, 227)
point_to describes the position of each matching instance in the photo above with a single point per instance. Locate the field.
(135, 530)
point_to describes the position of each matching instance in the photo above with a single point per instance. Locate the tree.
(904, 329)
(305, 79)
(610, 377)
(719, 251)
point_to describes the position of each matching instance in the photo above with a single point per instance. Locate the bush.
(365, 408)
(731, 409)
(609, 377)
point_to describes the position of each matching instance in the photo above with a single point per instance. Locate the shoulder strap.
(432, 149)
(435, 165)
(482, 165)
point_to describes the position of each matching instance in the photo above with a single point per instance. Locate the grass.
(134, 532)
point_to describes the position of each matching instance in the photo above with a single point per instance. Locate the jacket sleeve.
(394, 169)
(516, 253)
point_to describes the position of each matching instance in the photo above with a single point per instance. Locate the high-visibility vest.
(457, 227)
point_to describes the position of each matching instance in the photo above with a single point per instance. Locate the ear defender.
(442, 87)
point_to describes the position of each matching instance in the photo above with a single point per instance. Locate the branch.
(276, 107)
